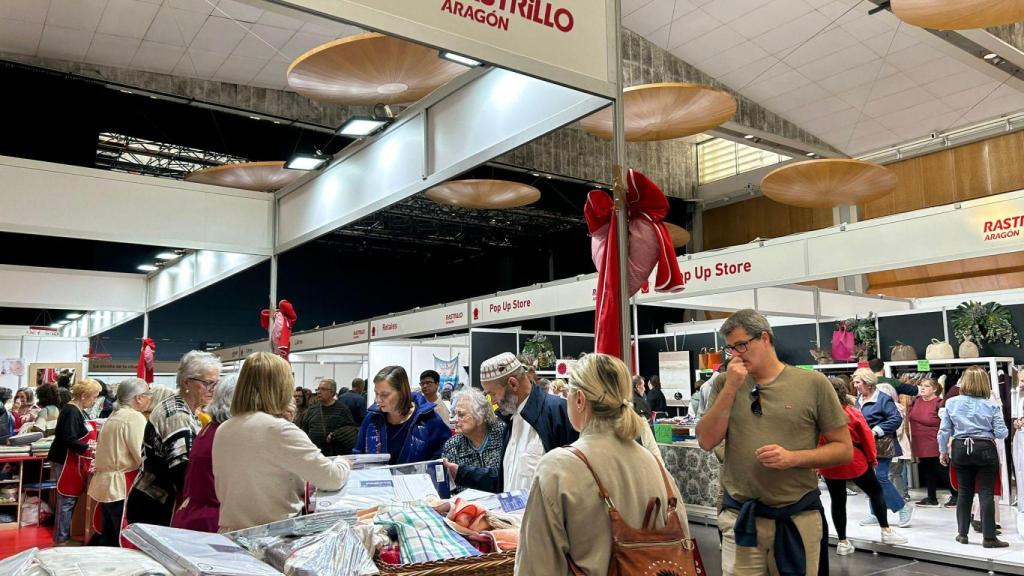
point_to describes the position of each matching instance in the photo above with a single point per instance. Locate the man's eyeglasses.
(755, 406)
(427, 383)
(740, 346)
(207, 383)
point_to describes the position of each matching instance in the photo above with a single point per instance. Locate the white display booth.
(21, 351)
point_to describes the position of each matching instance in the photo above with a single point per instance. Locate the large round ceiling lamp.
(483, 194)
(665, 111)
(958, 14)
(257, 176)
(370, 69)
(828, 183)
(680, 236)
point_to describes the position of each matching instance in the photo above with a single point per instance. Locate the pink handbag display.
(842, 343)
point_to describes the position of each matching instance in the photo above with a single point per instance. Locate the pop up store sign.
(551, 300)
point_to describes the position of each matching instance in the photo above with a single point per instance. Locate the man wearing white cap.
(536, 422)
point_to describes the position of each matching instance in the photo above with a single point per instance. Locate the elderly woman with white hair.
(568, 518)
(200, 509)
(477, 444)
(119, 456)
(884, 419)
(167, 443)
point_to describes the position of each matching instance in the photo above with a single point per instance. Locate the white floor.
(933, 530)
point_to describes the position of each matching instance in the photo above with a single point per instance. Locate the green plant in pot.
(984, 323)
(540, 352)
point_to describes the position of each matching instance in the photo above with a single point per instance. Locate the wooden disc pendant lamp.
(483, 194)
(665, 111)
(680, 236)
(256, 176)
(827, 183)
(370, 69)
(958, 14)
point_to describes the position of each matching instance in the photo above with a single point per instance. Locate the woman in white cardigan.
(261, 461)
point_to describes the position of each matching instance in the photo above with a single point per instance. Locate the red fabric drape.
(650, 246)
(147, 356)
(281, 327)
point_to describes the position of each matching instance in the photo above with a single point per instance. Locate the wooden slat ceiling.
(1001, 272)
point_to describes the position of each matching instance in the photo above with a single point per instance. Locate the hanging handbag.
(714, 359)
(900, 352)
(648, 550)
(842, 343)
(969, 349)
(938, 350)
(702, 359)
(885, 446)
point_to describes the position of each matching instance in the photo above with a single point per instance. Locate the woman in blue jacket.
(401, 423)
(884, 419)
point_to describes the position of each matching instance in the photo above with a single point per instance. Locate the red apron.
(97, 512)
(74, 474)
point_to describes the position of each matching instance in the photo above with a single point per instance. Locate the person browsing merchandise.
(535, 422)
(355, 399)
(770, 417)
(429, 380)
(330, 424)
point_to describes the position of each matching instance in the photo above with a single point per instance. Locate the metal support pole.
(817, 317)
(145, 325)
(621, 220)
(275, 206)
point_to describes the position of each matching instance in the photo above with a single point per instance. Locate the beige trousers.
(744, 561)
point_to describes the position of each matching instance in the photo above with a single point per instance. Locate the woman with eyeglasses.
(119, 456)
(884, 419)
(167, 443)
(477, 443)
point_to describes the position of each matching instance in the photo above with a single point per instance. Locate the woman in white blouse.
(261, 461)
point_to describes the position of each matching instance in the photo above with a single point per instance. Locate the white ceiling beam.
(63, 289)
(85, 203)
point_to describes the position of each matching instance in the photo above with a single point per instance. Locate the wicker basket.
(497, 564)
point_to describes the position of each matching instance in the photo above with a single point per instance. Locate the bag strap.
(600, 487)
(653, 507)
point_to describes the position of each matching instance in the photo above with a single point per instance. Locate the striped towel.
(422, 534)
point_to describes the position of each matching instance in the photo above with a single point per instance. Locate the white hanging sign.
(550, 300)
(347, 334)
(567, 41)
(430, 321)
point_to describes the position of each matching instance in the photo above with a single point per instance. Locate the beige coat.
(566, 515)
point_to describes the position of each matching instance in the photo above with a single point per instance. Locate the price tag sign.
(806, 366)
(924, 366)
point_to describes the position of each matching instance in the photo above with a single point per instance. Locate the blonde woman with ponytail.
(565, 517)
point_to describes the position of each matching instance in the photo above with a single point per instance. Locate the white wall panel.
(27, 287)
(477, 122)
(493, 113)
(73, 202)
(387, 170)
(194, 272)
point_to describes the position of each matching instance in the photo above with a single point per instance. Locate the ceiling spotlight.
(811, 154)
(255, 118)
(166, 256)
(306, 162)
(63, 322)
(360, 126)
(56, 325)
(990, 56)
(749, 136)
(460, 59)
(147, 267)
(74, 316)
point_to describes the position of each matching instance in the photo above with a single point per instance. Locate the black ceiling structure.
(413, 253)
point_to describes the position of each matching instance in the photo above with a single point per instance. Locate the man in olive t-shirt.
(770, 417)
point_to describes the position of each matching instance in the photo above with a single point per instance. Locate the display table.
(696, 472)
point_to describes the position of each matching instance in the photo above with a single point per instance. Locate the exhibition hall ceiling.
(220, 40)
(859, 82)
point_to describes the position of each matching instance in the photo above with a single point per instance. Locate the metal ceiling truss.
(123, 153)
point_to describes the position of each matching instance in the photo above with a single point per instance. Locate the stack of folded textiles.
(190, 553)
(423, 535)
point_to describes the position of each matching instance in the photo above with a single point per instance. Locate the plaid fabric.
(422, 534)
(176, 426)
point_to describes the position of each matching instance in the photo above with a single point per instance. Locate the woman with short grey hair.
(476, 449)
(200, 508)
(172, 429)
(119, 455)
